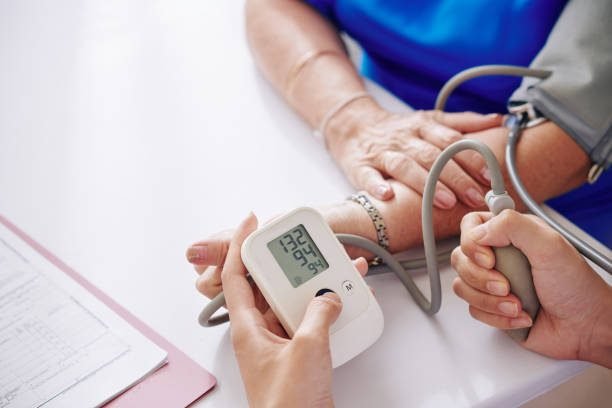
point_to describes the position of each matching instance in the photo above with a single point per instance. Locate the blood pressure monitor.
(296, 257)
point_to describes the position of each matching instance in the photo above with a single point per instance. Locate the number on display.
(299, 256)
(299, 247)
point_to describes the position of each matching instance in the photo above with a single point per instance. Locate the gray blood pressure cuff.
(577, 96)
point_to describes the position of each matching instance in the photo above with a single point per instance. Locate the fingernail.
(497, 288)
(492, 115)
(475, 197)
(444, 199)
(482, 259)
(508, 308)
(486, 174)
(381, 191)
(521, 322)
(477, 233)
(197, 254)
(331, 295)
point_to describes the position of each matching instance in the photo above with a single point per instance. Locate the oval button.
(322, 291)
(348, 287)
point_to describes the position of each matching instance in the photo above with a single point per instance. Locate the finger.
(482, 279)
(475, 165)
(509, 306)
(238, 293)
(407, 171)
(274, 325)
(502, 322)
(369, 179)
(472, 162)
(468, 122)
(209, 283)
(465, 188)
(438, 134)
(260, 301)
(211, 251)
(482, 255)
(361, 265)
(321, 313)
(537, 241)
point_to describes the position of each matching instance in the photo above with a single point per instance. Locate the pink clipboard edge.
(180, 382)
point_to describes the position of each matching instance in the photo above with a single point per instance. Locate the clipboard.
(180, 382)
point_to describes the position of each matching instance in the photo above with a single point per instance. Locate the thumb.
(525, 232)
(321, 313)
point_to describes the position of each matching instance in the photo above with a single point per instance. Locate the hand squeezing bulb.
(513, 264)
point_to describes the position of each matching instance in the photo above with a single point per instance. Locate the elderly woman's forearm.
(281, 34)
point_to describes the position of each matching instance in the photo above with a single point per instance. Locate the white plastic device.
(297, 256)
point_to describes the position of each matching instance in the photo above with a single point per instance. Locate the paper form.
(59, 345)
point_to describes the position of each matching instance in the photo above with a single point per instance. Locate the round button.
(324, 290)
(348, 287)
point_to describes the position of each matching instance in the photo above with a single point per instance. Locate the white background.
(129, 130)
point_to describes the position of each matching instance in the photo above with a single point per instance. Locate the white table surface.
(129, 130)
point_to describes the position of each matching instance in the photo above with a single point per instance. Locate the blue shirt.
(412, 47)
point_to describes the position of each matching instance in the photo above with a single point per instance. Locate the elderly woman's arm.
(549, 163)
(402, 213)
(303, 56)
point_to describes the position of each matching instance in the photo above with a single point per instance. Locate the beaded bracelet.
(377, 219)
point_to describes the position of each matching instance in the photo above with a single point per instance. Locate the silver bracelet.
(320, 132)
(377, 220)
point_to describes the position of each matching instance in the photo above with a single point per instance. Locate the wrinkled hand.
(573, 297)
(276, 370)
(381, 144)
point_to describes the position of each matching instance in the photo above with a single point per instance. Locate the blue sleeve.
(327, 8)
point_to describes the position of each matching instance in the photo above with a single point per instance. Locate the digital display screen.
(297, 255)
